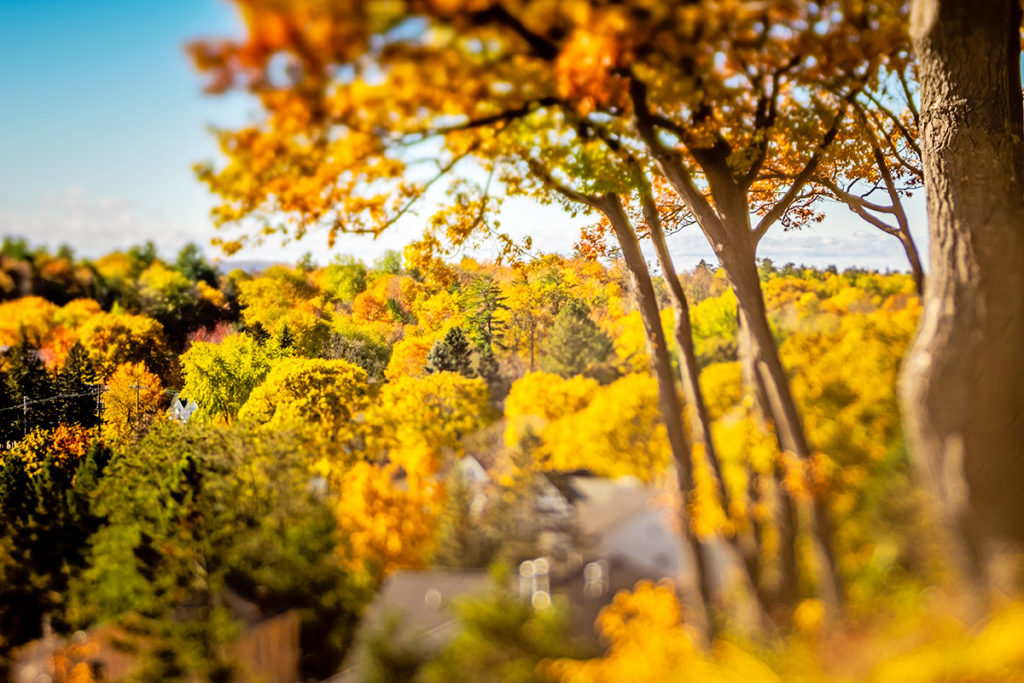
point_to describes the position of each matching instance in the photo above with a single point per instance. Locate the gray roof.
(422, 601)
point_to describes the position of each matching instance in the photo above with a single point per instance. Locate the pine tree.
(483, 302)
(576, 344)
(192, 264)
(32, 388)
(451, 354)
(10, 415)
(76, 387)
(489, 370)
(285, 339)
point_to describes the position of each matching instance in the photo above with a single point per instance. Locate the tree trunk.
(962, 385)
(741, 269)
(689, 376)
(668, 399)
(916, 271)
(784, 511)
(727, 228)
(689, 372)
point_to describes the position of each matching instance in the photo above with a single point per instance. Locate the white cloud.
(93, 226)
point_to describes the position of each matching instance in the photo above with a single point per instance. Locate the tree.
(360, 347)
(77, 390)
(575, 344)
(134, 397)
(389, 263)
(180, 305)
(345, 277)
(309, 392)
(618, 433)
(193, 265)
(735, 105)
(280, 297)
(220, 377)
(46, 524)
(426, 418)
(451, 354)
(501, 638)
(112, 339)
(963, 380)
(195, 514)
(388, 518)
(483, 304)
(10, 414)
(32, 388)
(28, 317)
(881, 155)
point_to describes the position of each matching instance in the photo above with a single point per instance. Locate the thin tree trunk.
(962, 386)
(726, 224)
(742, 273)
(916, 271)
(668, 399)
(689, 375)
(784, 511)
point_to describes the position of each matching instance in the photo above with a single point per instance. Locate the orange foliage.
(386, 523)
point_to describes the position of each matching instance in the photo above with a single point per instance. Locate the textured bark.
(962, 387)
(668, 398)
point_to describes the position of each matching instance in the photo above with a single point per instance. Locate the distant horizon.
(256, 263)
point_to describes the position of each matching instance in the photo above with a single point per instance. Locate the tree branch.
(541, 46)
(544, 174)
(501, 117)
(801, 178)
(669, 159)
(858, 205)
(763, 120)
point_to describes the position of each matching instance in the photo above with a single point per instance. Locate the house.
(182, 412)
(417, 607)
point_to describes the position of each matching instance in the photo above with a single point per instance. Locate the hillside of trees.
(333, 407)
(736, 472)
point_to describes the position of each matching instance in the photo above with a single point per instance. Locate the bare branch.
(541, 46)
(859, 206)
(892, 116)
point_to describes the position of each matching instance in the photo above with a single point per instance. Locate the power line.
(25, 402)
(100, 389)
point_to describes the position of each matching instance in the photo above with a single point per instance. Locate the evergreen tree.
(576, 344)
(192, 264)
(285, 339)
(489, 370)
(76, 388)
(45, 527)
(10, 415)
(463, 541)
(451, 354)
(484, 300)
(32, 388)
(258, 332)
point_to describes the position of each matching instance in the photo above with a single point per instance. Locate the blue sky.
(101, 118)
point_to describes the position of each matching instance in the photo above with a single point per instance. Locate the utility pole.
(24, 416)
